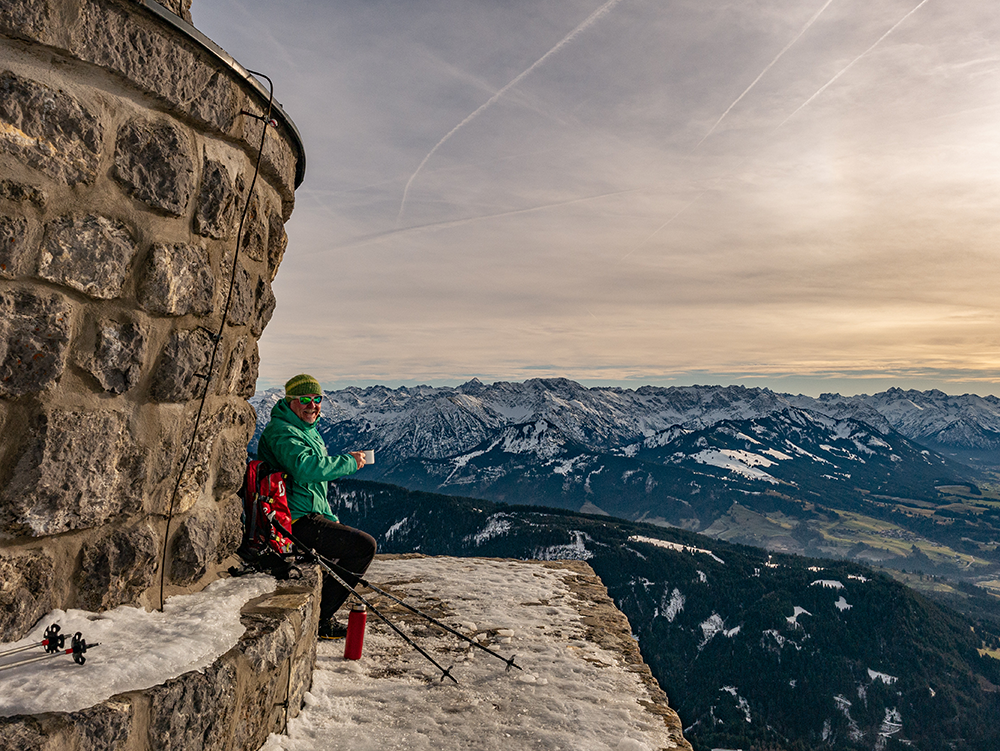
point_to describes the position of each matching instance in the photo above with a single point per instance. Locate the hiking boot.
(331, 628)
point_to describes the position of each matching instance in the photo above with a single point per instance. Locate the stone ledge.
(246, 694)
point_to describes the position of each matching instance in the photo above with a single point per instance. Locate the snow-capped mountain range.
(827, 476)
(439, 422)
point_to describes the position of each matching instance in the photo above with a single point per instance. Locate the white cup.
(369, 456)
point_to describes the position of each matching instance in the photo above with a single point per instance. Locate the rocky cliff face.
(126, 157)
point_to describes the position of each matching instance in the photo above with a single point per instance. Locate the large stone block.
(247, 383)
(194, 548)
(117, 568)
(34, 339)
(230, 525)
(264, 304)
(79, 470)
(177, 280)
(91, 254)
(12, 190)
(23, 733)
(118, 356)
(243, 304)
(25, 19)
(25, 592)
(138, 48)
(49, 130)
(230, 466)
(153, 162)
(15, 246)
(277, 241)
(183, 367)
(215, 211)
(193, 711)
(180, 8)
(105, 726)
(253, 242)
(229, 379)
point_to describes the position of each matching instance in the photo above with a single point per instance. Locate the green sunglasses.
(306, 399)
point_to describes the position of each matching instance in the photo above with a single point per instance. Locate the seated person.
(291, 443)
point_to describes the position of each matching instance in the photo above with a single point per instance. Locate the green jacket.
(290, 444)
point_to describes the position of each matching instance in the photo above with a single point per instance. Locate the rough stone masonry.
(125, 163)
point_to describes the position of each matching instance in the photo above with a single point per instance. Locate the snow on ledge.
(136, 649)
(581, 686)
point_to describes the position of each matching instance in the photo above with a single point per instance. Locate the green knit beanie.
(302, 385)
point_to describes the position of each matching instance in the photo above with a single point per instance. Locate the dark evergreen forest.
(755, 650)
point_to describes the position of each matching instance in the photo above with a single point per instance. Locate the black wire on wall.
(266, 120)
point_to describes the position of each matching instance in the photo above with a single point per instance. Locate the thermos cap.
(358, 607)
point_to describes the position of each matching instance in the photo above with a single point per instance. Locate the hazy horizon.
(788, 388)
(798, 195)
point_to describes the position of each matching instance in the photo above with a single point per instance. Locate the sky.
(797, 194)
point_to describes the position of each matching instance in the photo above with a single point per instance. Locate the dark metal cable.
(265, 121)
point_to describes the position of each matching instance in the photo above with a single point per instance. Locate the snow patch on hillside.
(674, 546)
(709, 628)
(794, 617)
(877, 676)
(574, 551)
(496, 526)
(828, 583)
(671, 608)
(738, 462)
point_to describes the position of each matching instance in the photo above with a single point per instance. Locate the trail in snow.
(589, 21)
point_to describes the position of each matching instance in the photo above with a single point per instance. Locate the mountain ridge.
(743, 464)
(606, 417)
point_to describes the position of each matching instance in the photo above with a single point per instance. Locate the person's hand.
(359, 456)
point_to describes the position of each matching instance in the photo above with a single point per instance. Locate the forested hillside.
(755, 650)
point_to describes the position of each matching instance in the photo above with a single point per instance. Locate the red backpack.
(265, 501)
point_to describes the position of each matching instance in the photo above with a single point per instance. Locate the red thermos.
(355, 632)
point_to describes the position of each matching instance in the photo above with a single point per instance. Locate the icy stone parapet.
(250, 691)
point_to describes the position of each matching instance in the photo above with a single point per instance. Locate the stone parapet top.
(165, 57)
(246, 694)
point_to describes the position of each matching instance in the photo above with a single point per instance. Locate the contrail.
(448, 224)
(848, 66)
(763, 72)
(604, 9)
(684, 208)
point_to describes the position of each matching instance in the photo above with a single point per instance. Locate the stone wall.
(250, 691)
(125, 162)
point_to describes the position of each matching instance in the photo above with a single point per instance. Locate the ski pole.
(52, 642)
(510, 663)
(445, 673)
(78, 648)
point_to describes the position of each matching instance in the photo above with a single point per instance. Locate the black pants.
(348, 547)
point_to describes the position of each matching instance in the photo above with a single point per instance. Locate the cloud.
(576, 231)
(589, 21)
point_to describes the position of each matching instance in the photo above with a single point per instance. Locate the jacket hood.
(283, 412)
